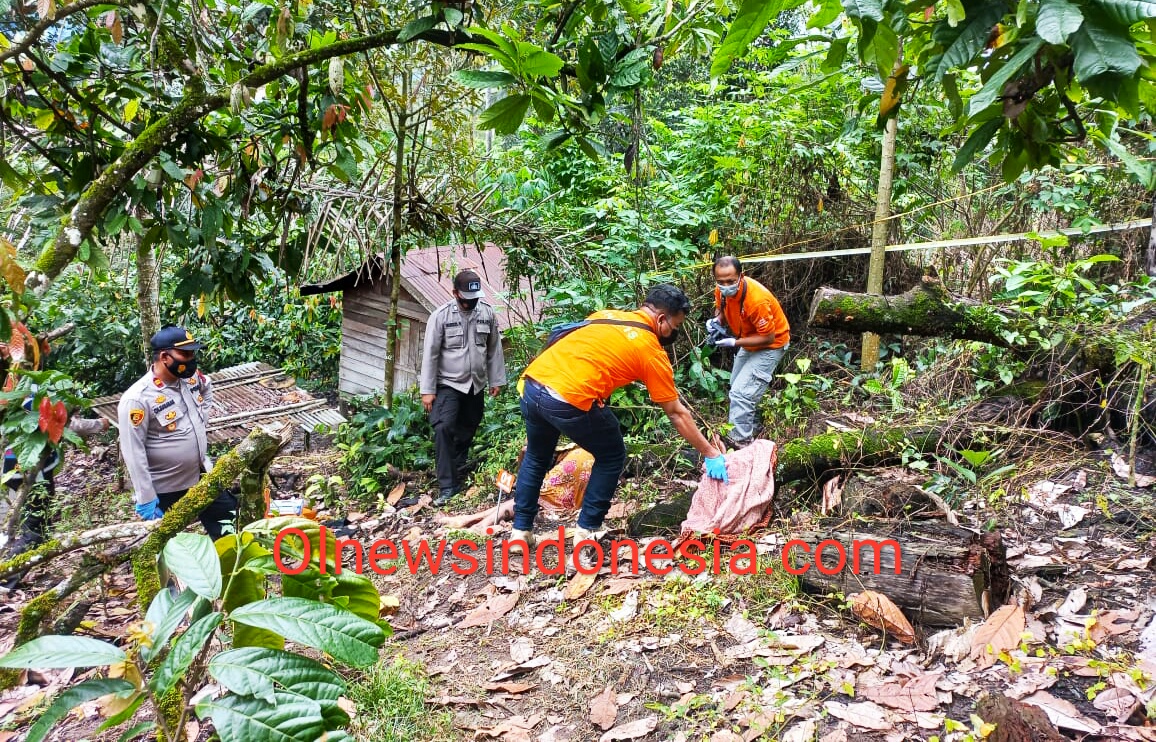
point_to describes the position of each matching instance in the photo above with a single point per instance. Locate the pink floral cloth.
(735, 507)
(565, 484)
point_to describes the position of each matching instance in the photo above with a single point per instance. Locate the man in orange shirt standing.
(760, 332)
(564, 390)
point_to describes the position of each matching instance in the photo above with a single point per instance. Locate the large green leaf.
(749, 23)
(184, 651)
(977, 141)
(289, 718)
(506, 115)
(70, 699)
(347, 637)
(484, 78)
(165, 614)
(1103, 49)
(247, 585)
(358, 594)
(259, 672)
(628, 71)
(968, 39)
(1142, 169)
(193, 560)
(871, 10)
(994, 86)
(828, 11)
(1128, 11)
(1058, 19)
(418, 26)
(63, 651)
(534, 60)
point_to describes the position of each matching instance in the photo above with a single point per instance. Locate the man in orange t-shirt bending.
(752, 315)
(564, 390)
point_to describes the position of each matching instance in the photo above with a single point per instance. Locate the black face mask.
(468, 304)
(182, 369)
(668, 340)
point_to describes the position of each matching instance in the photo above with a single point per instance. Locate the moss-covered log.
(69, 542)
(927, 309)
(261, 445)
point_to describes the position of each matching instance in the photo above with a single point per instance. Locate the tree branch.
(76, 94)
(44, 24)
(89, 210)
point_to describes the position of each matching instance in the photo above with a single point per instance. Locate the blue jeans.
(751, 374)
(596, 431)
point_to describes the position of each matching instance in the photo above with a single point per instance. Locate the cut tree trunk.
(927, 309)
(946, 574)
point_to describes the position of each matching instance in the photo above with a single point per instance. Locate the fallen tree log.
(926, 309)
(937, 574)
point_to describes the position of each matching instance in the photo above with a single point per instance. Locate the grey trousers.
(752, 373)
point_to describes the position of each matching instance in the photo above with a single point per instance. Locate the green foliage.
(1041, 288)
(22, 424)
(270, 691)
(390, 701)
(377, 438)
(786, 410)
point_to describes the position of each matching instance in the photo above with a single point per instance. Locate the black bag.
(560, 331)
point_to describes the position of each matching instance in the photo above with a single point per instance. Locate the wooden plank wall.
(363, 340)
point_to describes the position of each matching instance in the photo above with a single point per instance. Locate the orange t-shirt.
(758, 313)
(591, 362)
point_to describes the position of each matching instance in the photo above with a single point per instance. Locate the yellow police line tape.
(936, 244)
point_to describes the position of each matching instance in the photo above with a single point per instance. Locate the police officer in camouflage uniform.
(462, 357)
(162, 419)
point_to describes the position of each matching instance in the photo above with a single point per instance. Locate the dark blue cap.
(172, 336)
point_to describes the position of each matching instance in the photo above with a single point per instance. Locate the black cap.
(172, 336)
(469, 285)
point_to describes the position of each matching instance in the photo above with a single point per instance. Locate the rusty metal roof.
(427, 274)
(251, 394)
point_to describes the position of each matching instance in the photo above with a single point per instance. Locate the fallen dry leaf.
(1116, 702)
(1120, 467)
(521, 650)
(1075, 601)
(604, 709)
(578, 585)
(866, 715)
(619, 585)
(389, 605)
(999, 633)
(1062, 713)
(832, 496)
(395, 494)
(511, 688)
(631, 730)
(511, 672)
(741, 629)
(493, 609)
(905, 694)
(802, 732)
(876, 609)
(725, 735)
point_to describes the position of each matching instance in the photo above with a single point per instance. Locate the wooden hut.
(426, 283)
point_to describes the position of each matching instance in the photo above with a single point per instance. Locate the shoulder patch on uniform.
(136, 417)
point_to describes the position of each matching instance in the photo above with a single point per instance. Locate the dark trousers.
(34, 518)
(597, 431)
(455, 417)
(216, 513)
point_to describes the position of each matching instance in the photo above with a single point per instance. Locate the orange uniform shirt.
(591, 362)
(758, 313)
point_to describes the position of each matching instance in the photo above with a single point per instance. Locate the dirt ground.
(725, 657)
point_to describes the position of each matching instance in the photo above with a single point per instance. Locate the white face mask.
(729, 291)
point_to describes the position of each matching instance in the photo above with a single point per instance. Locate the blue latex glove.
(716, 468)
(727, 343)
(150, 510)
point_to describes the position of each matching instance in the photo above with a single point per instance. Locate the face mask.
(468, 304)
(668, 340)
(182, 369)
(728, 291)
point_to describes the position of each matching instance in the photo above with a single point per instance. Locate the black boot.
(444, 496)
